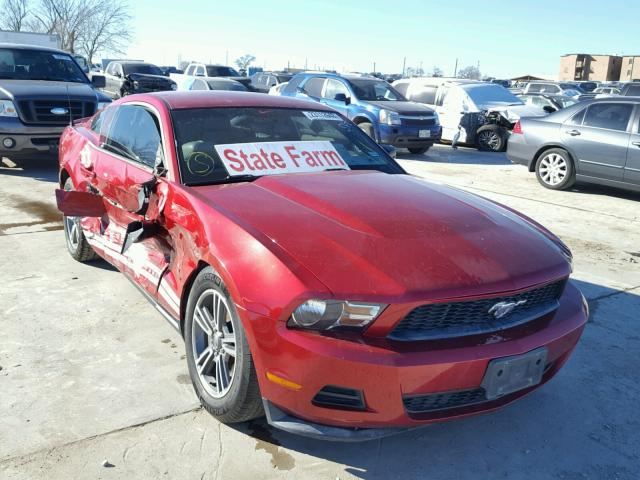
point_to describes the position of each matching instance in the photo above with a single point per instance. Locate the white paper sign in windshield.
(274, 158)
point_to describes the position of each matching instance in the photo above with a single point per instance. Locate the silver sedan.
(596, 141)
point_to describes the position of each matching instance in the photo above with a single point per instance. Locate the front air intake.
(343, 398)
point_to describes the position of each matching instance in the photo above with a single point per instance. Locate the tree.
(244, 61)
(470, 72)
(436, 72)
(13, 14)
(106, 30)
(84, 26)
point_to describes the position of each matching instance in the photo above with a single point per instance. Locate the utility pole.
(226, 61)
(305, 63)
(455, 70)
(404, 65)
(374, 67)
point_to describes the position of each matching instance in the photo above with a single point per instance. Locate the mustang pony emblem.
(502, 309)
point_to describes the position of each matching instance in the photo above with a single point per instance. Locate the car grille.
(442, 401)
(447, 320)
(422, 121)
(39, 111)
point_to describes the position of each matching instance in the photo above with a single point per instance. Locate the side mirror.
(341, 97)
(549, 109)
(118, 74)
(390, 149)
(80, 204)
(98, 81)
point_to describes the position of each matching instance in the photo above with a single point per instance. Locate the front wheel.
(77, 244)
(218, 356)
(491, 138)
(419, 150)
(555, 170)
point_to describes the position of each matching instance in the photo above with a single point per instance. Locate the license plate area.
(510, 374)
(424, 134)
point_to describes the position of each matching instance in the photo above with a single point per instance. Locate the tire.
(419, 150)
(77, 244)
(367, 128)
(491, 138)
(555, 169)
(237, 397)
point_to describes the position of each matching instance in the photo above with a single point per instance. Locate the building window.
(629, 73)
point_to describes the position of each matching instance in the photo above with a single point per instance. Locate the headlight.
(390, 118)
(328, 314)
(435, 114)
(101, 105)
(136, 84)
(174, 86)
(7, 109)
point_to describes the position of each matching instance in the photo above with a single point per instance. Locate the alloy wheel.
(214, 343)
(72, 229)
(553, 169)
(490, 140)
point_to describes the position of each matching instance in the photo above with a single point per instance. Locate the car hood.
(514, 113)
(404, 108)
(372, 235)
(16, 89)
(147, 76)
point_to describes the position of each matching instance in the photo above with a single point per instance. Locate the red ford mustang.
(314, 280)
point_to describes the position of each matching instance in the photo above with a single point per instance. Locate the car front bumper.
(406, 136)
(388, 375)
(28, 141)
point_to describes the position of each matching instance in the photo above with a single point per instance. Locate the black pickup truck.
(42, 90)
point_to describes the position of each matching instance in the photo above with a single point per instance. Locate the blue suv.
(382, 112)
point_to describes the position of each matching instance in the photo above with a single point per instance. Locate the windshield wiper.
(227, 179)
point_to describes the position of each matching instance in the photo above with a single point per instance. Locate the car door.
(130, 150)
(333, 87)
(110, 80)
(449, 111)
(600, 140)
(632, 167)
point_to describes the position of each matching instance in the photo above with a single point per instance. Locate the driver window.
(135, 135)
(442, 94)
(200, 71)
(334, 87)
(190, 70)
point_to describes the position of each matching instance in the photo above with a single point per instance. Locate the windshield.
(485, 95)
(567, 102)
(284, 78)
(223, 145)
(143, 68)
(226, 85)
(375, 90)
(218, 71)
(22, 64)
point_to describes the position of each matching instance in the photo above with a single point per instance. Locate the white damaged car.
(471, 112)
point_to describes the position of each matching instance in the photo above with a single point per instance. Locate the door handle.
(637, 144)
(573, 133)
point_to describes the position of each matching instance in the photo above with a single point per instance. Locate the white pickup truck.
(193, 70)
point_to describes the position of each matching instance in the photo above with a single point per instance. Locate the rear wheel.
(419, 150)
(555, 169)
(491, 138)
(77, 244)
(218, 356)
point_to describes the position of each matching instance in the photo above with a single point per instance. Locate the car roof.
(211, 99)
(20, 46)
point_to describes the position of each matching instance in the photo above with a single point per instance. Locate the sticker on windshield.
(273, 158)
(61, 57)
(323, 116)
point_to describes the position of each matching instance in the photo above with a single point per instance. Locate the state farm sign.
(273, 158)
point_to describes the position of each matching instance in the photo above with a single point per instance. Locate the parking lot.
(90, 372)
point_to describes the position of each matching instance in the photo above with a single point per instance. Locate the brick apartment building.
(599, 68)
(630, 68)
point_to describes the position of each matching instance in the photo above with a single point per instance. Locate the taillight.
(517, 128)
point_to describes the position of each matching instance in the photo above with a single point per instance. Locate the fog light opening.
(8, 142)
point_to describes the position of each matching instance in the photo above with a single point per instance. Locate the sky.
(506, 39)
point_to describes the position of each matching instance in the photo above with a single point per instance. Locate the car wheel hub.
(213, 343)
(490, 139)
(553, 169)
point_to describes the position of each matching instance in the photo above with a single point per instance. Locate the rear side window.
(612, 116)
(293, 84)
(425, 94)
(313, 86)
(190, 70)
(135, 135)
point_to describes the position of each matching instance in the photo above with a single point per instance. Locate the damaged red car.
(312, 278)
